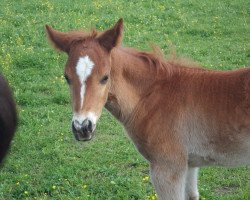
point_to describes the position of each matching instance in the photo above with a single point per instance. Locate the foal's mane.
(156, 60)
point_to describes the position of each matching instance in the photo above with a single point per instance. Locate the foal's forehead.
(85, 57)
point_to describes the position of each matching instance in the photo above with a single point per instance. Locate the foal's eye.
(104, 79)
(67, 79)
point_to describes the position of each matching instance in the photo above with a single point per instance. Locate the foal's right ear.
(59, 40)
(112, 37)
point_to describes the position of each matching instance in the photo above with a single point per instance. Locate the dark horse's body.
(8, 117)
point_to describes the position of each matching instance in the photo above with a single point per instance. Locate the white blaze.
(84, 69)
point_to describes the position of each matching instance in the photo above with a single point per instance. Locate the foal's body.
(180, 117)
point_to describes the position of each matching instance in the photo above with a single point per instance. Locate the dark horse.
(8, 117)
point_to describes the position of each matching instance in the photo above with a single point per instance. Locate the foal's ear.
(59, 40)
(112, 37)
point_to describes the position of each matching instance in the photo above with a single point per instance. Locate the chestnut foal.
(179, 118)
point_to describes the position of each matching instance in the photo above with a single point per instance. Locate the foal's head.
(87, 72)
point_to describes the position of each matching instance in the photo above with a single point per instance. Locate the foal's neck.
(131, 79)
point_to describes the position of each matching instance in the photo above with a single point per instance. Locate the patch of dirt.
(225, 190)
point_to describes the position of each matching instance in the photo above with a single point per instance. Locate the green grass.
(45, 161)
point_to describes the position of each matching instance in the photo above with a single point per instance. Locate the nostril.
(85, 123)
(87, 126)
(73, 127)
(76, 123)
(90, 126)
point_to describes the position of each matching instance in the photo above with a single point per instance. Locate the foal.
(179, 118)
(8, 117)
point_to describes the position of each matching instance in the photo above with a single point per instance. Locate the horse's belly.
(208, 147)
(232, 159)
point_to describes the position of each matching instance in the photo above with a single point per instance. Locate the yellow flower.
(145, 179)
(53, 187)
(153, 197)
(26, 192)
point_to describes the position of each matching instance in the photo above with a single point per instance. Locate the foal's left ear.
(59, 40)
(112, 37)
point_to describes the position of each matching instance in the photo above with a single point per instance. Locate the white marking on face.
(79, 118)
(84, 69)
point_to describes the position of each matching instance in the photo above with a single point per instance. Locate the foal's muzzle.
(83, 131)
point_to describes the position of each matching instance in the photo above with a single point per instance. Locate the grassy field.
(45, 161)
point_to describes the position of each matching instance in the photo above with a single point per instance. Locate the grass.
(45, 161)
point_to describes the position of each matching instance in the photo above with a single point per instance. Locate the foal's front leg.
(192, 184)
(169, 182)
